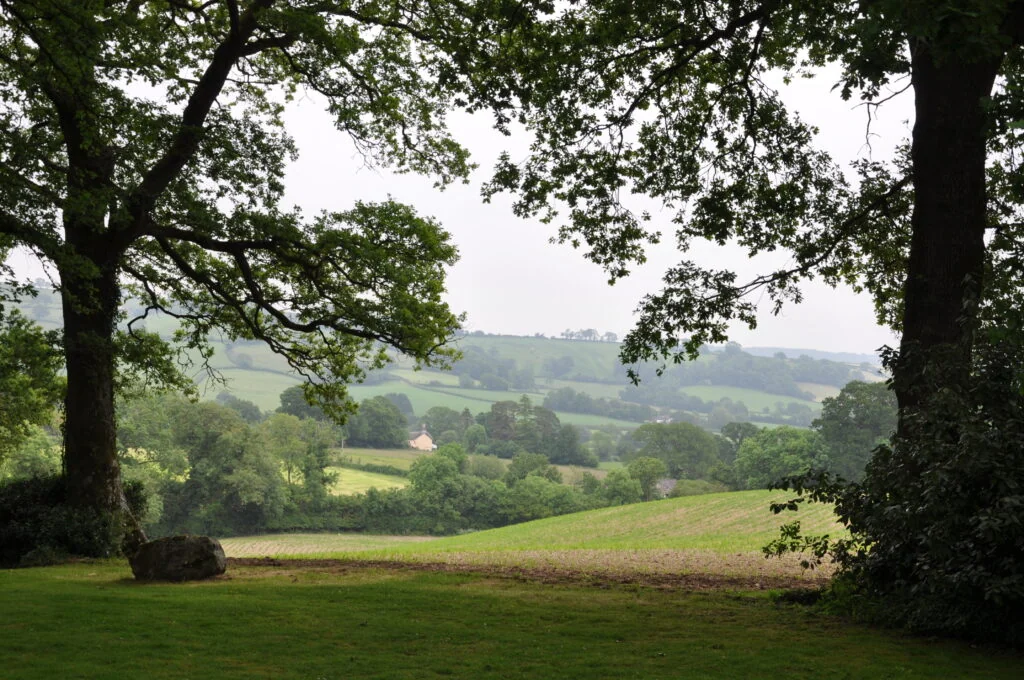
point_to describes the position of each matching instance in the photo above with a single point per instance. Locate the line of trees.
(568, 399)
(589, 335)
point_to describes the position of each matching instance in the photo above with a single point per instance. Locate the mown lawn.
(91, 621)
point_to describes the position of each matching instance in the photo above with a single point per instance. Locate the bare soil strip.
(555, 568)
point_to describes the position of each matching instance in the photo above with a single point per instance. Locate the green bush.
(37, 526)
(937, 539)
(696, 487)
(377, 468)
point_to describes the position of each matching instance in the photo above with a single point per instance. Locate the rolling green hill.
(755, 400)
(596, 360)
(737, 521)
(723, 523)
(254, 373)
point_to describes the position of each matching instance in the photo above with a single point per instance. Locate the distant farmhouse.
(421, 440)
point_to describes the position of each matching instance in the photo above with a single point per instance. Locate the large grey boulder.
(179, 558)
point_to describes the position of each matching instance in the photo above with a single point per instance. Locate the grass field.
(818, 390)
(732, 522)
(596, 390)
(722, 523)
(753, 399)
(260, 387)
(422, 398)
(357, 481)
(536, 395)
(91, 621)
(312, 544)
(404, 458)
(399, 458)
(425, 377)
(716, 535)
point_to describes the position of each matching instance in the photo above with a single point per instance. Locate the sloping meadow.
(715, 535)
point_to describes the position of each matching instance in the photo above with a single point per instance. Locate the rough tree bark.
(90, 303)
(946, 266)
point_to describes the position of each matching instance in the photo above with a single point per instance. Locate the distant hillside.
(791, 353)
(581, 381)
(591, 361)
(599, 361)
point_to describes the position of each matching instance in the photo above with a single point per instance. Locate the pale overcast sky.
(511, 280)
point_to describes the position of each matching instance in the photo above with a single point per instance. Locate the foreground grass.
(90, 621)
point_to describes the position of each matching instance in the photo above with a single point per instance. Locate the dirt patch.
(547, 573)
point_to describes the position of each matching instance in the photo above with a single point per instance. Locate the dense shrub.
(38, 526)
(937, 539)
(696, 487)
(377, 468)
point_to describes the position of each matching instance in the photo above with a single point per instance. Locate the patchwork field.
(256, 374)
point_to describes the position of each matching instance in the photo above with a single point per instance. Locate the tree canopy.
(144, 154)
(853, 423)
(676, 101)
(29, 379)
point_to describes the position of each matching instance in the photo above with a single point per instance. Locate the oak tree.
(853, 423)
(677, 101)
(30, 383)
(143, 154)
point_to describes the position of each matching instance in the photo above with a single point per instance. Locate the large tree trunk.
(947, 250)
(90, 303)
